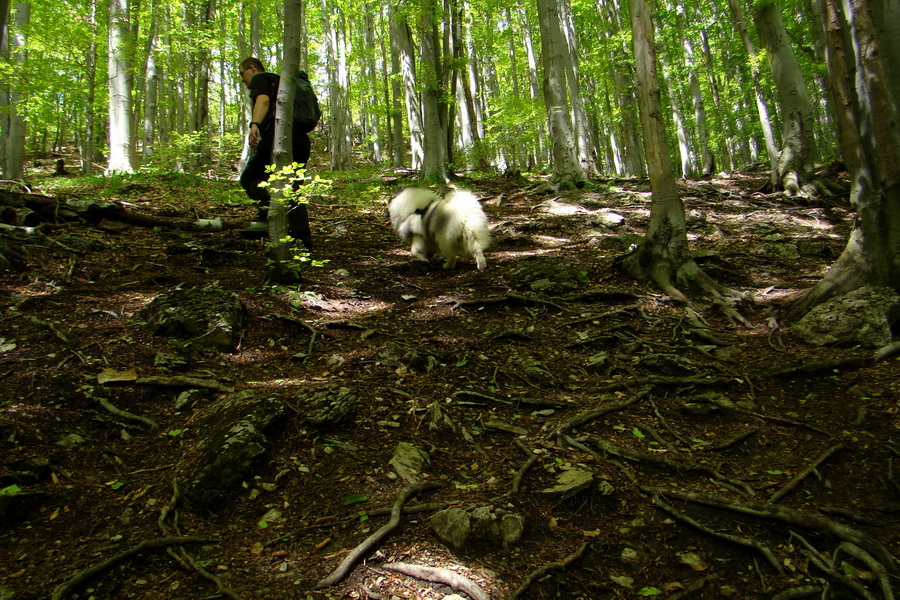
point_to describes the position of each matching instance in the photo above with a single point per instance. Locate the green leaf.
(262, 524)
(355, 499)
(650, 591)
(638, 433)
(10, 490)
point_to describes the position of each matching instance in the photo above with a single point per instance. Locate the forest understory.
(726, 462)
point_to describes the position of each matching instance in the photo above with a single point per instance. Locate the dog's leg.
(419, 248)
(450, 262)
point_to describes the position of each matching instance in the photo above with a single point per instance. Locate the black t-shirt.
(265, 84)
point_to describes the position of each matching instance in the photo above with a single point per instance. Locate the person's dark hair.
(253, 62)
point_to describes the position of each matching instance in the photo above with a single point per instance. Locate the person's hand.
(254, 136)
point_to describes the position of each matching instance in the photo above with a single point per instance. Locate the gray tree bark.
(862, 80)
(795, 170)
(121, 139)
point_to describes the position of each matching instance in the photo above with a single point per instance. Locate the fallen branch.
(751, 543)
(64, 588)
(790, 485)
(543, 570)
(344, 568)
(788, 515)
(437, 575)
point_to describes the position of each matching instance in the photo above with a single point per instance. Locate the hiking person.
(263, 88)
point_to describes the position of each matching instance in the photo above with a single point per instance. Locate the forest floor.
(781, 456)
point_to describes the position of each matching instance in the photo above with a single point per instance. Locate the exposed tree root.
(677, 465)
(124, 414)
(520, 474)
(191, 382)
(804, 473)
(788, 515)
(596, 413)
(728, 405)
(344, 568)
(828, 567)
(63, 589)
(751, 543)
(547, 568)
(437, 575)
(508, 299)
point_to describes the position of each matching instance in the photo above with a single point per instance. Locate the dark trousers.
(255, 173)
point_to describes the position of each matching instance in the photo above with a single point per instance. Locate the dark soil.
(71, 315)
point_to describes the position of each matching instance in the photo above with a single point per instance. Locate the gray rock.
(459, 528)
(330, 405)
(395, 353)
(227, 438)
(862, 317)
(409, 462)
(209, 316)
(452, 526)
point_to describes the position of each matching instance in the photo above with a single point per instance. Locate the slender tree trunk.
(431, 76)
(151, 81)
(566, 166)
(707, 160)
(400, 28)
(285, 266)
(581, 129)
(338, 87)
(87, 147)
(681, 132)
(862, 83)
(15, 138)
(398, 145)
(762, 107)
(121, 140)
(371, 76)
(663, 255)
(794, 172)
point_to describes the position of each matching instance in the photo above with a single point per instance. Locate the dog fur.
(452, 226)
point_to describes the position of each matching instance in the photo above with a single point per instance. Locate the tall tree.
(121, 141)
(14, 141)
(662, 256)
(795, 170)
(284, 264)
(862, 55)
(432, 76)
(567, 169)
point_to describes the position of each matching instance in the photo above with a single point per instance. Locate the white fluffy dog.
(452, 226)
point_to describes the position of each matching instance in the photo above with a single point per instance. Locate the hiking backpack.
(306, 105)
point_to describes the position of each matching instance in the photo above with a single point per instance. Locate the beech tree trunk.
(794, 171)
(400, 30)
(566, 166)
(431, 77)
(121, 140)
(14, 140)
(285, 266)
(662, 256)
(862, 54)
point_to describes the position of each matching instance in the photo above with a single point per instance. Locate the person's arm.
(260, 109)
